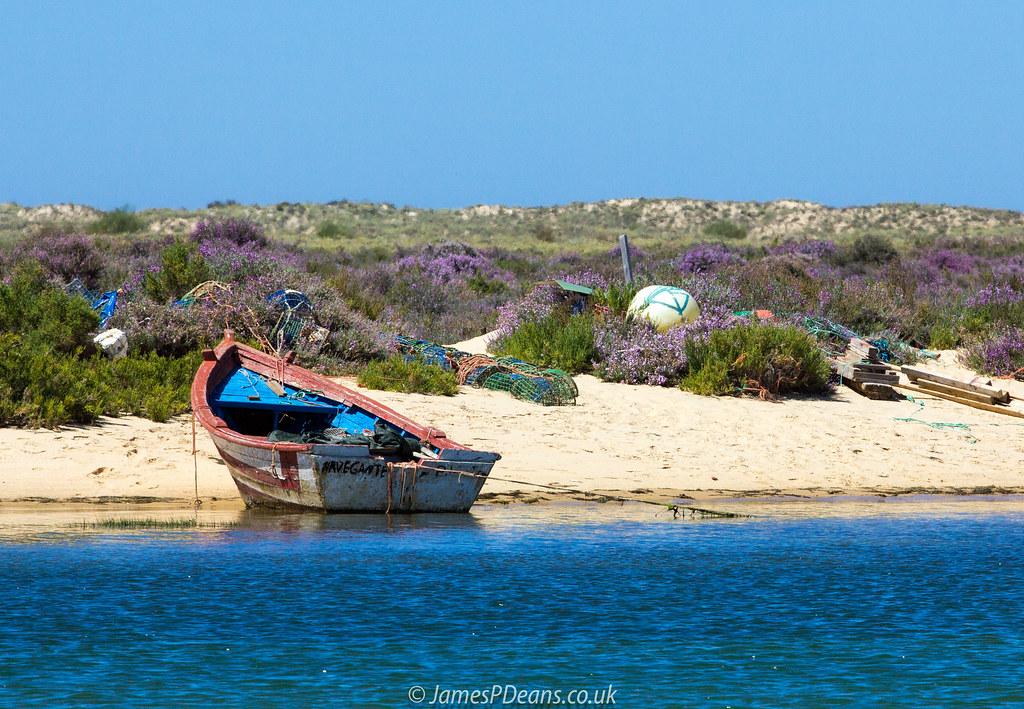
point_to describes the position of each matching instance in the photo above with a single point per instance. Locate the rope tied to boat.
(674, 508)
(391, 468)
(196, 502)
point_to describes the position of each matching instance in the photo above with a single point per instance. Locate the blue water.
(307, 611)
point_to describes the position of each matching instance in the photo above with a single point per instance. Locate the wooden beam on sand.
(913, 373)
(956, 391)
(966, 402)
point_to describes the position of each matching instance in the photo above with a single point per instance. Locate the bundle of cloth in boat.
(550, 387)
(384, 440)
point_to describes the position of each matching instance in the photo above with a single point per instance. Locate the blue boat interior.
(248, 404)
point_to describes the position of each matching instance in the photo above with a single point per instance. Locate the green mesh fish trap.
(548, 387)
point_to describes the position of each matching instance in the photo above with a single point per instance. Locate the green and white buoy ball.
(664, 306)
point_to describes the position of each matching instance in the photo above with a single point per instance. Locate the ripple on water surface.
(912, 609)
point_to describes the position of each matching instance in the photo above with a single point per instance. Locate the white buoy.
(664, 306)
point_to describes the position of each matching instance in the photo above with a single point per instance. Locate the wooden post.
(627, 266)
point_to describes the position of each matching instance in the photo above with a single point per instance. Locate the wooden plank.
(875, 379)
(864, 347)
(856, 372)
(973, 404)
(914, 373)
(955, 391)
(871, 367)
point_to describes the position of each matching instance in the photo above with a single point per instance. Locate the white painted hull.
(336, 478)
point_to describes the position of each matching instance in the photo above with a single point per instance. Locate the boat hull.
(444, 476)
(335, 478)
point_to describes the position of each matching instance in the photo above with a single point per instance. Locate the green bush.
(410, 376)
(725, 229)
(866, 308)
(182, 268)
(943, 337)
(41, 387)
(980, 319)
(334, 230)
(557, 341)
(543, 232)
(482, 285)
(151, 386)
(872, 248)
(756, 358)
(118, 221)
(51, 375)
(616, 297)
(47, 317)
(357, 296)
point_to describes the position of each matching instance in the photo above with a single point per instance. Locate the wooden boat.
(294, 439)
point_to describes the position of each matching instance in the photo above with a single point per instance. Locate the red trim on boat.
(229, 355)
(290, 471)
(255, 498)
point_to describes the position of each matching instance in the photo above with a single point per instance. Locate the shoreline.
(522, 497)
(654, 444)
(28, 521)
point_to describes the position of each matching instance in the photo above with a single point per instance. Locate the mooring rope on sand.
(673, 508)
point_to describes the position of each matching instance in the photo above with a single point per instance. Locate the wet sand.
(26, 522)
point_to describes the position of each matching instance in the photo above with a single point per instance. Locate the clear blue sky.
(442, 104)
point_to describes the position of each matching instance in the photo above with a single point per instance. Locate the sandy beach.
(644, 442)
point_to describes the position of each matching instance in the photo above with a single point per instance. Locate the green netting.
(549, 387)
(834, 337)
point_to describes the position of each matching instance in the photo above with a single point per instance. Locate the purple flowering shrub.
(811, 250)
(706, 258)
(237, 231)
(949, 261)
(584, 277)
(231, 261)
(1001, 354)
(63, 256)
(173, 331)
(991, 309)
(155, 327)
(445, 293)
(636, 255)
(712, 291)
(634, 352)
(539, 303)
(942, 294)
(414, 303)
(996, 295)
(772, 283)
(450, 262)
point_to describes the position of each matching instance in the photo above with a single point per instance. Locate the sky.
(449, 104)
